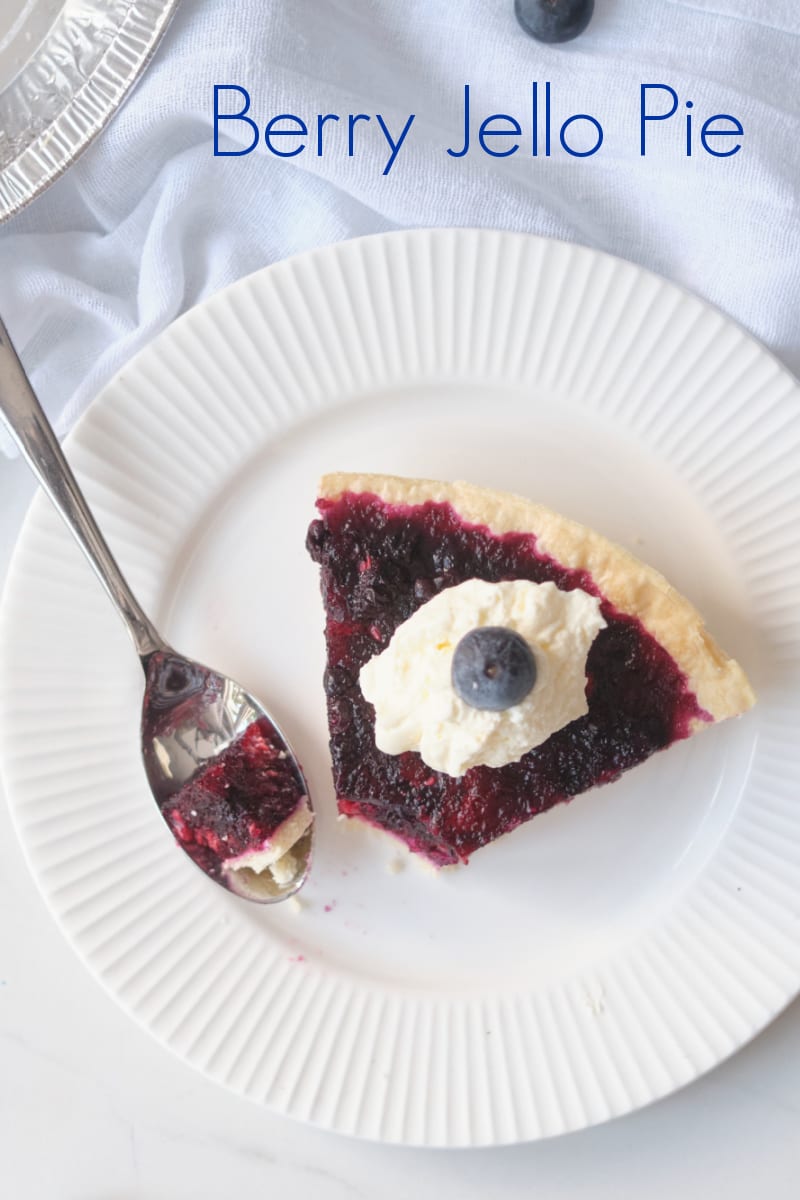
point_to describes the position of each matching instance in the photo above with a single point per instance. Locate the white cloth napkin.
(149, 222)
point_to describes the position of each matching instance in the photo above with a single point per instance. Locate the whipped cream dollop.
(410, 686)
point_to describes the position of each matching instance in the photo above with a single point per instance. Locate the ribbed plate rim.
(113, 397)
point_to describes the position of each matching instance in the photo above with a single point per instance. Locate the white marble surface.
(92, 1109)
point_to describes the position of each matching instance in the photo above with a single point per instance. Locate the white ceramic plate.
(65, 67)
(602, 956)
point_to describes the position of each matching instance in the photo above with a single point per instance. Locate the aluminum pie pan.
(70, 86)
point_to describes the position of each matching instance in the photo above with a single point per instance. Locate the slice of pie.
(488, 658)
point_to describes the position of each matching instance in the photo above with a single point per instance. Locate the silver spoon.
(191, 715)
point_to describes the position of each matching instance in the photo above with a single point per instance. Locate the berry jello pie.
(488, 658)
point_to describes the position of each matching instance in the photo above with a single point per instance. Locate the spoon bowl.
(221, 771)
(225, 779)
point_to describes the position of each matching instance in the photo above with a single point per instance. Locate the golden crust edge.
(719, 683)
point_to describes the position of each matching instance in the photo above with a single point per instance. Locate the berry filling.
(379, 563)
(236, 806)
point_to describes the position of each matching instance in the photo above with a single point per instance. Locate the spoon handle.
(25, 420)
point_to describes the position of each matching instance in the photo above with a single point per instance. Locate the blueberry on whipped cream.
(493, 668)
(456, 682)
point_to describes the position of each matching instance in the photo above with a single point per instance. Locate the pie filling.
(244, 810)
(379, 563)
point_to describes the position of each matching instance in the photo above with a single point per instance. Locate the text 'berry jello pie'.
(488, 658)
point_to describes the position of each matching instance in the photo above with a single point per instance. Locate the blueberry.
(493, 668)
(554, 20)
